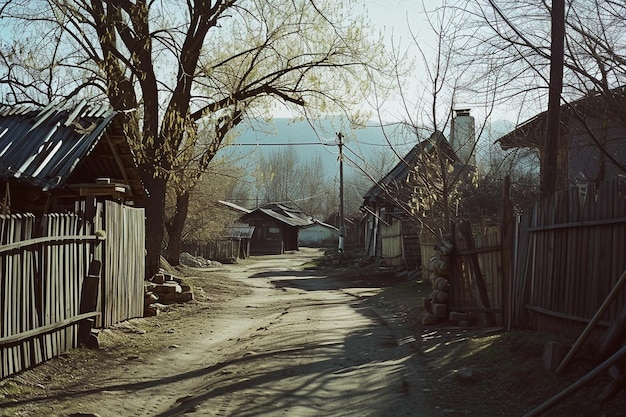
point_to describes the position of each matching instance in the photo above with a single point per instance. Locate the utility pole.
(342, 225)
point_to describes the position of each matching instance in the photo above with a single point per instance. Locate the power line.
(281, 144)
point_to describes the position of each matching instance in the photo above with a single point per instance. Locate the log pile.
(164, 288)
(436, 306)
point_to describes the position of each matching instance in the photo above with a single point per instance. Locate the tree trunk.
(175, 227)
(155, 216)
(549, 172)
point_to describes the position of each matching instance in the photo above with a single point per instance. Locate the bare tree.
(439, 168)
(206, 216)
(283, 177)
(514, 42)
(167, 65)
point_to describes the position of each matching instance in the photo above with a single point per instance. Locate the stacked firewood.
(162, 289)
(436, 306)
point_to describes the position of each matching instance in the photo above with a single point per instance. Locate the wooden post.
(553, 123)
(506, 239)
(88, 303)
(596, 318)
(577, 385)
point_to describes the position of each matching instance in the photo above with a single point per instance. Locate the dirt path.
(292, 343)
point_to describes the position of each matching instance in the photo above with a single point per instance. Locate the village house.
(276, 228)
(390, 232)
(592, 142)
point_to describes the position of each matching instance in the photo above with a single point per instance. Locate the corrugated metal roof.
(316, 222)
(233, 206)
(288, 219)
(239, 231)
(43, 147)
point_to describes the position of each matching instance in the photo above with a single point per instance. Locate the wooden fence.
(391, 242)
(569, 252)
(43, 265)
(222, 250)
(476, 281)
(124, 263)
(549, 268)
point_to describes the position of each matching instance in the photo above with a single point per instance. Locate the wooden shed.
(71, 244)
(276, 228)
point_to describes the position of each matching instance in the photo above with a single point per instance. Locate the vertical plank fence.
(40, 281)
(571, 251)
(124, 266)
(43, 264)
(391, 242)
(476, 279)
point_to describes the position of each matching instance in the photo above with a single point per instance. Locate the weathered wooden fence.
(549, 268)
(43, 264)
(476, 278)
(123, 263)
(570, 251)
(391, 242)
(221, 250)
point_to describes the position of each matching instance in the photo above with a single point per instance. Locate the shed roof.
(44, 147)
(238, 231)
(286, 217)
(319, 223)
(234, 206)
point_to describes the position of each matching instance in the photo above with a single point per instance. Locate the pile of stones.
(163, 289)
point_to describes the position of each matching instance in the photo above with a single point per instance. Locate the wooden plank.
(595, 319)
(10, 322)
(46, 239)
(474, 268)
(46, 329)
(47, 305)
(4, 297)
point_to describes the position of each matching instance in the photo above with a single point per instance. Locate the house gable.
(393, 183)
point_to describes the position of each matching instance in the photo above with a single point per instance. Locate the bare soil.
(231, 347)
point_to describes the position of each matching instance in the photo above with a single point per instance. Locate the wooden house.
(592, 142)
(276, 228)
(390, 234)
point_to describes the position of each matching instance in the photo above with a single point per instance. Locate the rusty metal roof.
(44, 147)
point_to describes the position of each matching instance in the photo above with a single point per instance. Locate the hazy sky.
(400, 21)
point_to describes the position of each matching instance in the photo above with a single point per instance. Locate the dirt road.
(294, 343)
